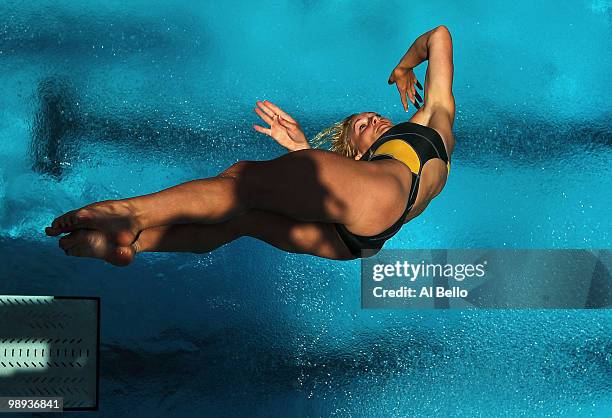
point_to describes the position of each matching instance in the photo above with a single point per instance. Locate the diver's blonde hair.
(337, 136)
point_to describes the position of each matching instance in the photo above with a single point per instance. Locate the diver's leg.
(308, 185)
(282, 232)
(315, 238)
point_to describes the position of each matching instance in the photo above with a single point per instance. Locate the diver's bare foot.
(95, 244)
(114, 217)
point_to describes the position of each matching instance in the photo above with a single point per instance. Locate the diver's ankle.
(137, 213)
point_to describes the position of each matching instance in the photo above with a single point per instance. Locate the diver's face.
(365, 128)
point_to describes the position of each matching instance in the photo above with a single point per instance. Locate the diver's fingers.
(418, 96)
(286, 124)
(264, 116)
(411, 94)
(263, 130)
(279, 111)
(263, 106)
(403, 97)
(414, 101)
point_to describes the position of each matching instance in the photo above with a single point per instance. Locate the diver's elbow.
(442, 28)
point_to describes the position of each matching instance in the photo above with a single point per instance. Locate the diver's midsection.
(431, 182)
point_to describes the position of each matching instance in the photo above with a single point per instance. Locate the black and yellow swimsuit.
(413, 145)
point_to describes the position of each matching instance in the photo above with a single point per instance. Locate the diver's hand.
(405, 81)
(283, 128)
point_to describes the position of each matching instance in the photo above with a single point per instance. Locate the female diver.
(307, 201)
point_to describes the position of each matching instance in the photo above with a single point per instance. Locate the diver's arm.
(403, 76)
(436, 46)
(418, 51)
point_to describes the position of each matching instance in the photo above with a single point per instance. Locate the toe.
(70, 221)
(74, 220)
(51, 231)
(81, 218)
(55, 228)
(67, 241)
(59, 224)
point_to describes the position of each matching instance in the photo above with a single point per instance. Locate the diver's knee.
(237, 169)
(245, 183)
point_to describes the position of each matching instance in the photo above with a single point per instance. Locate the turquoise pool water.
(112, 99)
